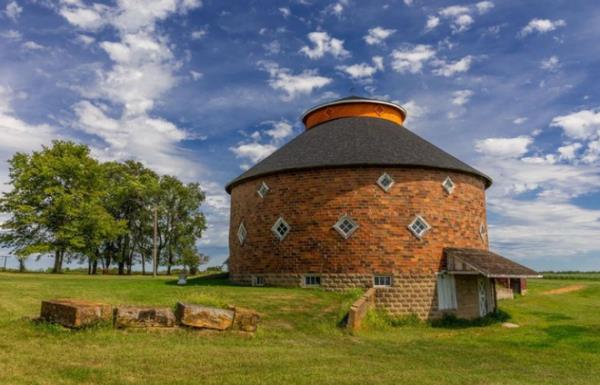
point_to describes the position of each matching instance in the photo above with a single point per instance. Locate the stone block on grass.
(143, 317)
(245, 320)
(204, 317)
(75, 313)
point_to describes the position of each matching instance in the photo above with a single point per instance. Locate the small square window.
(345, 226)
(263, 190)
(242, 233)
(258, 280)
(419, 226)
(312, 280)
(448, 185)
(280, 229)
(385, 181)
(483, 232)
(382, 281)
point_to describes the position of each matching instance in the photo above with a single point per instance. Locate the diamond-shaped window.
(448, 185)
(385, 181)
(281, 229)
(242, 233)
(419, 226)
(263, 190)
(483, 232)
(345, 226)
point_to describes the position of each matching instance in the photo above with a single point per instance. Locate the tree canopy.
(65, 204)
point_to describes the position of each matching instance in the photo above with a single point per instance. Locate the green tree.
(56, 203)
(181, 222)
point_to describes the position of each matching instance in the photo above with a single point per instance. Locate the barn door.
(483, 297)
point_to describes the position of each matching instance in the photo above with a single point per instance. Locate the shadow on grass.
(452, 322)
(221, 279)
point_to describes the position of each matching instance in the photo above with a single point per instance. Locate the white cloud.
(32, 45)
(432, 23)
(143, 70)
(337, 8)
(411, 58)
(583, 124)
(199, 34)
(13, 10)
(450, 69)
(484, 6)
(363, 70)
(254, 151)
(196, 75)
(324, 44)
(550, 64)
(85, 39)
(279, 129)
(408, 2)
(520, 120)
(285, 12)
(16, 134)
(460, 16)
(414, 111)
(303, 83)
(11, 34)
(569, 151)
(378, 35)
(542, 26)
(504, 147)
(461, 97)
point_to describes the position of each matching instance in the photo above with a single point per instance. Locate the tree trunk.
(95, 267)
(169, 261)
(130, 262)
(58, 256)
(121, 268)
(89, 266)
(22, 268)
(143, 264)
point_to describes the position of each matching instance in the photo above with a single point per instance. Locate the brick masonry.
(312, 201)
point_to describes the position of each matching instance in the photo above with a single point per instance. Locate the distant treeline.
(572, 275)
(67, 205)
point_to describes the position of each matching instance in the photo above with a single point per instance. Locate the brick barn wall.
(312, 201)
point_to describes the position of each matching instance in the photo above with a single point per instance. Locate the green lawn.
(299, 341)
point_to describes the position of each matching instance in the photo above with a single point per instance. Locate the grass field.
(299, 341)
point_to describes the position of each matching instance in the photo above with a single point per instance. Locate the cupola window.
(345, 226)
(258, 280)
(448, 185)
(280, 229)
(419, 226)
(242, 233)
(385, 181)
(263, 190)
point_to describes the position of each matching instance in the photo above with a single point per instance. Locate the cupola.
(352, 107)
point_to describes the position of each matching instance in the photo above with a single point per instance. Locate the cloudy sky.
(204, 89)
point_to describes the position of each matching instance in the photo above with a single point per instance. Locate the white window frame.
(338, 224)
(258, 280)
(242, 233)
(416, 219)
(483, 231)
(446, 292)
(263, 190)
(278, 222)
(382, 185)
(383, 278)
(446, 182)
(316, 277)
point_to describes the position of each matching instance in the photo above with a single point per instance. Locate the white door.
(483, 298)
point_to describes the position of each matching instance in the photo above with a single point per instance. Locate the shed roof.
(357, 141)
(489, 264)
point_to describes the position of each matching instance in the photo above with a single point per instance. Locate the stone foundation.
(408, 295)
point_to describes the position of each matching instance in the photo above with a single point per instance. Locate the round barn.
(358, 200)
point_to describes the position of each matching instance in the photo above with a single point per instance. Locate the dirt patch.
(566, 289)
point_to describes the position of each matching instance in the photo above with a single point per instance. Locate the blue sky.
(204, 89)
